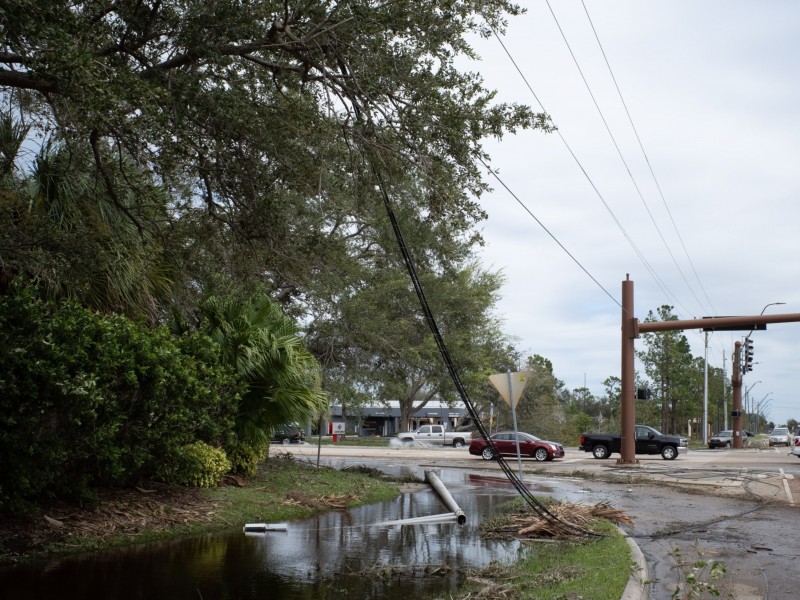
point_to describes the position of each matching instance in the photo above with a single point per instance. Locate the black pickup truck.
(648, 441)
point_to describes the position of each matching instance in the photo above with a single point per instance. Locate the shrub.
(88, 400)
(197, 464)
(245, 456)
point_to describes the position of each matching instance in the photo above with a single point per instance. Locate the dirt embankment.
(119, 513)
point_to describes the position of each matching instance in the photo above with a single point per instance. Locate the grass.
(598, 569)
(287, 489)
(556, 569)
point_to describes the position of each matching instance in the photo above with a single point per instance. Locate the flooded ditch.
(347, 555)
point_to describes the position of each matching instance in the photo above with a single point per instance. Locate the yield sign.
(510, 385)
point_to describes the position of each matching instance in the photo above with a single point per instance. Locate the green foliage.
(264, 347)
(89, 400)
(196, 464)
(700, 578)
(246, 456)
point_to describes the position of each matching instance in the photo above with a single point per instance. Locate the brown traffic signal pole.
(736, 383)
(632, 328)
(628, 400)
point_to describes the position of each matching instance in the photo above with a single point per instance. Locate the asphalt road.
(735, 507)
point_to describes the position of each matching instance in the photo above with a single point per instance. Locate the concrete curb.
(636, 589)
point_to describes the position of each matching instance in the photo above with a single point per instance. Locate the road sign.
(516, 382)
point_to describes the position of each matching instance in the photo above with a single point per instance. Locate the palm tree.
(265, 348)
(72, 240)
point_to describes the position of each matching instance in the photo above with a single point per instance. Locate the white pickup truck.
(436, 435)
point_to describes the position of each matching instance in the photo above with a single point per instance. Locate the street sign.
(517, 383)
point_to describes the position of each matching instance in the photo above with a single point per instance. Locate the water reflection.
(342, 554)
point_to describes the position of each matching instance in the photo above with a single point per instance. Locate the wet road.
(737, 507)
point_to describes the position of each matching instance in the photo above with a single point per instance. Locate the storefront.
(383, 419)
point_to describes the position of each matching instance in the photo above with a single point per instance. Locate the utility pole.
(736, 382)
(705, 394)
(724, 393)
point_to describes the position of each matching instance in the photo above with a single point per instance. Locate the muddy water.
(343, 555)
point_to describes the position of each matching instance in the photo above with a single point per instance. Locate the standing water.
(345, 555)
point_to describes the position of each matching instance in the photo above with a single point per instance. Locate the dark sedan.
(505, 443)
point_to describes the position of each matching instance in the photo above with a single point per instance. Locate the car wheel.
(541, 455)
(669, 452)
(600, 451)
(458, 443)
(487, 453)
(285, 441)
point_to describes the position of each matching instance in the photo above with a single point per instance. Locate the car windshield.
(724, 434)
(780, 432)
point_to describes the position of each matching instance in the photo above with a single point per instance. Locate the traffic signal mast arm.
(632, 328)
(711, 323)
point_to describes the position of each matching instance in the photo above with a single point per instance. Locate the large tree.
(248, 143)
(264, 121)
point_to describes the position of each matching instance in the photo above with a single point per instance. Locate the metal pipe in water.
(437, 485)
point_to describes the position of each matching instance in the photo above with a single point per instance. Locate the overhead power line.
(647, 161)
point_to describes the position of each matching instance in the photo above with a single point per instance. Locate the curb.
(636, 589)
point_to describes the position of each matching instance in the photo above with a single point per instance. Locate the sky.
(698, 200)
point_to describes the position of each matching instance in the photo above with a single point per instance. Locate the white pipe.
(430, 519)
(261, 527)
(437, 485)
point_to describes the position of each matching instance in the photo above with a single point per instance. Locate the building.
(383, 419)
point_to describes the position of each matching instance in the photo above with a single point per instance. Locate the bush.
(89, 400)
(245, 456)
(198, 465)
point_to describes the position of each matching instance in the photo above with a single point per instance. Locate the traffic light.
(748, 355)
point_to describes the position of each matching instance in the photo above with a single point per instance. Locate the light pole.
(757, 412)
(746, 394)
(762, 412)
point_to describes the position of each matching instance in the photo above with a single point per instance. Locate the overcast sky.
(713, 90)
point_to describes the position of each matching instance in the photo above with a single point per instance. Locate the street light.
(762, 312)
(757, 412)
(746, 394)
(770, 304)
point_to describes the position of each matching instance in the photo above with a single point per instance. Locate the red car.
(529, 446)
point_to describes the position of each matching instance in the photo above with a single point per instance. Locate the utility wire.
(550, 233)
(531, 500)
(647, 161)
(636, 250)
(619, 151)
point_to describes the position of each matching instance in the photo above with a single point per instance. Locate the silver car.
(780, 436)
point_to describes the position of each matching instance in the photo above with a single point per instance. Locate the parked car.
(287, 434)
(796, 444)
(780, 436)
(724, 439)
(505, 443)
